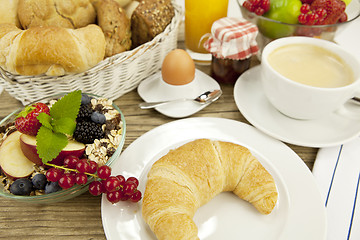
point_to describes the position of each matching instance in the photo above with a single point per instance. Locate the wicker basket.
(111, 78)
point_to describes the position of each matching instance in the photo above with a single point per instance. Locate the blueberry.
(21, 186)
(85, 99)
(39, 181)
(97, 117)
(51, 187)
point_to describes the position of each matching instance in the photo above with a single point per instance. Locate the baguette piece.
(51, 50)
(191, 175)
(60, 13)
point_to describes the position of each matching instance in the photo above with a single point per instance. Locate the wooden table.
(80, 218)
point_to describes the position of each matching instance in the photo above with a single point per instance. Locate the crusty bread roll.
(8, 12)
(191, 175)
(50, 50)
(60, 13)
(112, 19)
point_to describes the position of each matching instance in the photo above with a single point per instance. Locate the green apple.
(284, 11)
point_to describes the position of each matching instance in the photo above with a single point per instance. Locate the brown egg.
(178, 68)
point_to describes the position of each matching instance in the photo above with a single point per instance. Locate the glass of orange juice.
(199, 17)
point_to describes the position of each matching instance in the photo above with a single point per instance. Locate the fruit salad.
(66, 142)
(297, 17)
(307, 12)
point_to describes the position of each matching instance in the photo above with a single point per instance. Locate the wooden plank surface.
(80, 218)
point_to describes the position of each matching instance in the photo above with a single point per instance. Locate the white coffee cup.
(302, 101)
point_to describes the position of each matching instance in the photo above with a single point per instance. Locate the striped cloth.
(337, 171)
(232, 38)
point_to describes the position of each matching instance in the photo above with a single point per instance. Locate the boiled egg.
(178, 68)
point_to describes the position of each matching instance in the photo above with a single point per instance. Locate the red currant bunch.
(76, 171)
(259, 7)
(116, 188)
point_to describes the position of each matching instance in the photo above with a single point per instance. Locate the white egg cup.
(154, 89)
(172, 92)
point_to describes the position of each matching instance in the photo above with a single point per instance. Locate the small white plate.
(154, 89)
(331, 130)
(299, 214)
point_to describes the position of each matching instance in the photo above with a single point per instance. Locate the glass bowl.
(63, 194)
(271, 29)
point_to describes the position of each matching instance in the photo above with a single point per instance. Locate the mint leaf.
(64, 125)
(49, 144)
(67, 106)
(45, 120)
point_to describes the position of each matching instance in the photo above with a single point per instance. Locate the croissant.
(191, 175)
(51, 50)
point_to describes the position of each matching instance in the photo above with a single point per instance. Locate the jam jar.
(232, 44)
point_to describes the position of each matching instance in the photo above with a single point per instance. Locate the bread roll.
(50, 50)
(60, 13)
(191, 175)
(149, 19)
(112, 19)
(8, 12)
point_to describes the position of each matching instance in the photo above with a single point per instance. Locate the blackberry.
(87, 132)
(85, 112)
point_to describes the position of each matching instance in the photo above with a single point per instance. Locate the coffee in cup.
(311, 65)
(307, 78)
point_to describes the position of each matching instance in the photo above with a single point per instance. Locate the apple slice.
(28, 147)
(12, 160)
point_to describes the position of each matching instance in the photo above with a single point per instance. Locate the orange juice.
(199, 17)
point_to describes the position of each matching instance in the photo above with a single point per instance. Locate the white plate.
(298, 215)
(153, 90)
(332, 130)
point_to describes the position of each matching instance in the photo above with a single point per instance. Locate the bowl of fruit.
(60, 147)
(312, 18)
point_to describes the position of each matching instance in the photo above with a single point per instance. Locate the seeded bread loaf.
(149, 19)
(60, 13)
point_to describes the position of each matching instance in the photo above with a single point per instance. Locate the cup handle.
(351, 108)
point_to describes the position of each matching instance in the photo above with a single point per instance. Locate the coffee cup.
(308, 78)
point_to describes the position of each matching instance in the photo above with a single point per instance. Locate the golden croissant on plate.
(191, 175)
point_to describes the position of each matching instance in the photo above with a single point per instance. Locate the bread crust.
(191, 175)
(8, 12)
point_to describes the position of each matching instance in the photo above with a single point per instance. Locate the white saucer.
(332, 130)
(153, 89)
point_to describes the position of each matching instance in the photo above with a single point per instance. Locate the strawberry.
(26, 122)
(334, 9)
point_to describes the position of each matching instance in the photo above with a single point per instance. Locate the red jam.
(228, 70)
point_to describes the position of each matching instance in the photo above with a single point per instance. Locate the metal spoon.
(204, 98)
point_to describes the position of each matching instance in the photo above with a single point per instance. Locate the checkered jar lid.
(232, 38)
